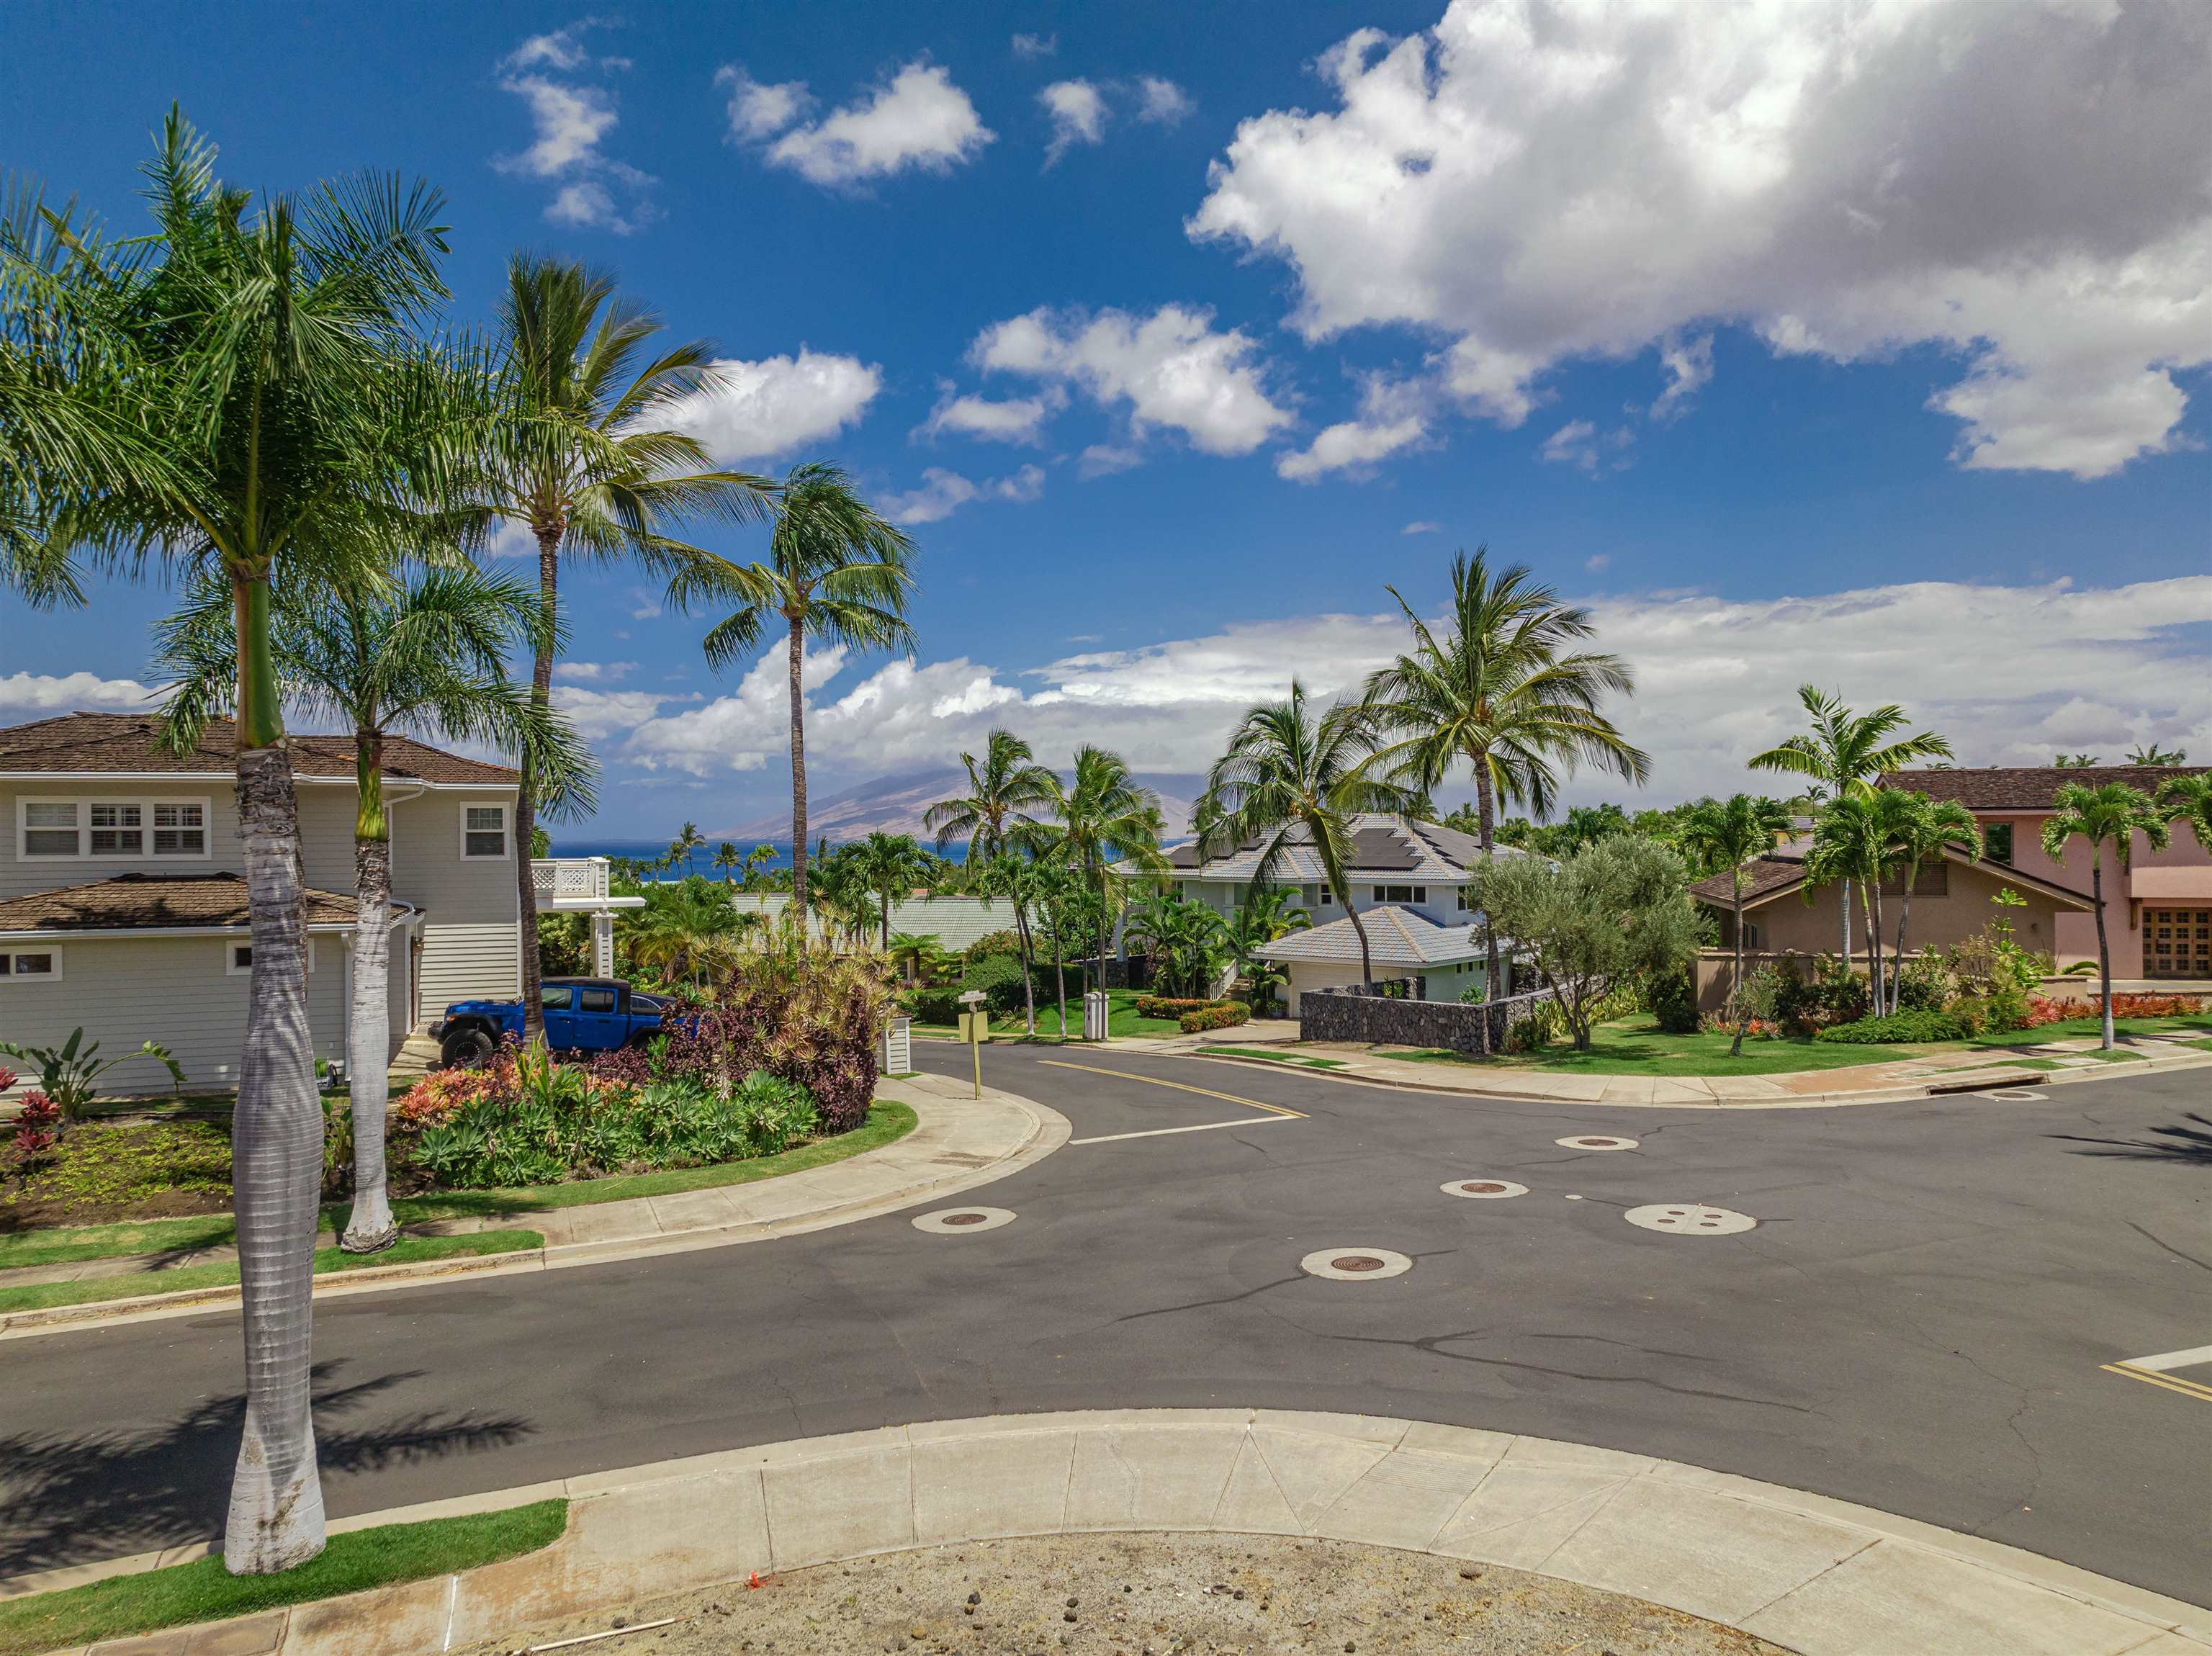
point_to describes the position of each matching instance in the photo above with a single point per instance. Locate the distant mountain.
(895, 804)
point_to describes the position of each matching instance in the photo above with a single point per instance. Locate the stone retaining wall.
(1353, 1014)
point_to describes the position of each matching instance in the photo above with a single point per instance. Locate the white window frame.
(11, 950)
(506, 830)
(231, 969)
(83, 803)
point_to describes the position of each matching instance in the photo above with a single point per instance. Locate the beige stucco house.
(123, 911)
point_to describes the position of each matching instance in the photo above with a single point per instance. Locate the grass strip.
(409, 1250)
(63, 1247)
(1300, 1059)
(204, 1590)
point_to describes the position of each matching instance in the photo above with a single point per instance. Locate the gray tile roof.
(955, 922)
(1395, 937)
(1391, 847)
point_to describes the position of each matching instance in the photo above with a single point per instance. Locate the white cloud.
(42, 695)
(599, 715)
(757, 410)
(570, 117)
(1011, 420)
(510, 538)
(2021, 185)
(1717, 681)
(1103, 459)
(1031, 47)
(1078, 116)
(1392, 416)
(1579, 443)
(1169, 369)
(1422, 526)
(1688, 365)
(1161, 100)
(592, 672)
(1598, 563)
(918, 119)
(943, 492)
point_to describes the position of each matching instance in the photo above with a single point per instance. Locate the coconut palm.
(428, 656)
(1503, 688)
(1005, 793)
(1105, 816)
(726, 858)
(2189, 799)
(587, 457)
(1728, 834)
(1288, 773)
(838, 573)
(1923, 830)
(891, 865)
(271, 354)
(2113, 813)
(685, 846)
(1847, 752)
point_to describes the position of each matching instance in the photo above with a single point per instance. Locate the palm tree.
(271, 354)
(585, 458)
(1005, 793)
(836, 572)
(1186, 939)
(684, 847)
(908, 950)
(1729, 834)
(2189, 799)
(1502, 689)
(1924, 830)
(727, 859)
(2150, 753)
(1851, 841)
(1846, 754)
(428, 656)
(890, 864)
(687, 927)
(1106, 816)
(1287, 773)
(1261, 919)
(2114, 813)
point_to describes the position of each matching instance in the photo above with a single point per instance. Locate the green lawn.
(409, 1250)
(204, 1590)
(2078, 1028)
(886, 1122)
(1304, 1060)
(1122, 1019)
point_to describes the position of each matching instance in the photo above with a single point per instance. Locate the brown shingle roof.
(2029, 787)
(129, 744)
(131, 900)
(1765, 874)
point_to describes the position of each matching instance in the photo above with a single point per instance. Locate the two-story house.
(123, 909)
(1410, 881)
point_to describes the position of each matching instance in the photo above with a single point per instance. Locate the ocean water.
(702, 861)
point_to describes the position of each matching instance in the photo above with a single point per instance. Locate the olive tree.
(1615, 911)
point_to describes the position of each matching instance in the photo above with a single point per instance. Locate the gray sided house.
(1411, 883)
(123, 911)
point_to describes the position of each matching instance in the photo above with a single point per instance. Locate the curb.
(1820, 1576)
(1048, 1131)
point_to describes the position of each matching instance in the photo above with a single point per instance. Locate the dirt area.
(1154, 1595)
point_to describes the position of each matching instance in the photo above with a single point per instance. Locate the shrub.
(1846, 995)
(1008, 941)
(1799, 1007)
(932, 1005)
(2082, 969)
(37, 1123)
(1924, 983)
(1922, 1025)
(1672, 999)
(1224, 1016)
(999, 978)
(1171, 1006)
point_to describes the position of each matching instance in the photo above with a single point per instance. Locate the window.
(30, 965)
(1401, 894)
(596, 1000)
(238, 959)
(554, 996)
(484, 830)
(1996, 842)
(82, 829)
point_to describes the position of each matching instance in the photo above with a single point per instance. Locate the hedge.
(1171, 1006)
(1223, 1016)
(1922, 1025)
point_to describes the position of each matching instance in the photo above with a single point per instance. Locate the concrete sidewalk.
(1819, 1576)
(958, 1142)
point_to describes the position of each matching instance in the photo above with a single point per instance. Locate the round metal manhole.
(1355, 1265)
(1485, 1190)
(2015, 1095)
(1597, 1141)
(956, 1221)
(1689, 1219)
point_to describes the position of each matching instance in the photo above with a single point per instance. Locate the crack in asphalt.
(2141, 1231)
(1200, 1305)
(1433, 1344)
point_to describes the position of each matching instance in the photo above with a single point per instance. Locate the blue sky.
(1866, 376)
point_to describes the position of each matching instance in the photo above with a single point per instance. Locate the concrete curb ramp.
(958, 1142)
(1819, 1576)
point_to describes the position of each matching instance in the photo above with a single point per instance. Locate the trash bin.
(1095, 1006)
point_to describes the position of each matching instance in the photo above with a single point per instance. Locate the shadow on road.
(70, 1500)
(2190, 1146)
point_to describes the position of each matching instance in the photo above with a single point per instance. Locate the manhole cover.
(1485, 1190)
(1596, 1141)
(1689, 1219)
(1355, 1265)
(954, 1221)
(2015, 1095)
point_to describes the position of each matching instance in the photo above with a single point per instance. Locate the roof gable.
(129, 745)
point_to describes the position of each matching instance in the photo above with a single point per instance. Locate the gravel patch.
(1155, 1595)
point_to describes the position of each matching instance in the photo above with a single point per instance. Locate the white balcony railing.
(565, 880)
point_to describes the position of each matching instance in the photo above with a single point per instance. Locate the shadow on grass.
(70, 1499)
(2189, 1146)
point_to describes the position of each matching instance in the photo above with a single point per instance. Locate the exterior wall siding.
(472, 946)
(1789, 923)
(468, 962)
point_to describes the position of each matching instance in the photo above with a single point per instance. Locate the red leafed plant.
(38, 1124)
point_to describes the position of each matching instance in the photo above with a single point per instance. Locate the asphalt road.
(1916, 1323)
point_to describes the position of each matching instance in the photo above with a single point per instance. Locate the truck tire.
(467, 1049)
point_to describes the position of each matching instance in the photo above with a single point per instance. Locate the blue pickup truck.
(584, 1014)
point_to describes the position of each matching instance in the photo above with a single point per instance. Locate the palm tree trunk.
(1846, 903)
(370, 1228)
(525, 798)
(1029, 953)
(1485, 819)
(1359, 930)
(1872, 906)
(1742, 1004)
(1897, 954)
(276, 1517)
(797, 669)
(2104, 948)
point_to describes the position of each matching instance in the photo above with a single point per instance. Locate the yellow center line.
(2187, 1388)
(1181, 1086)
